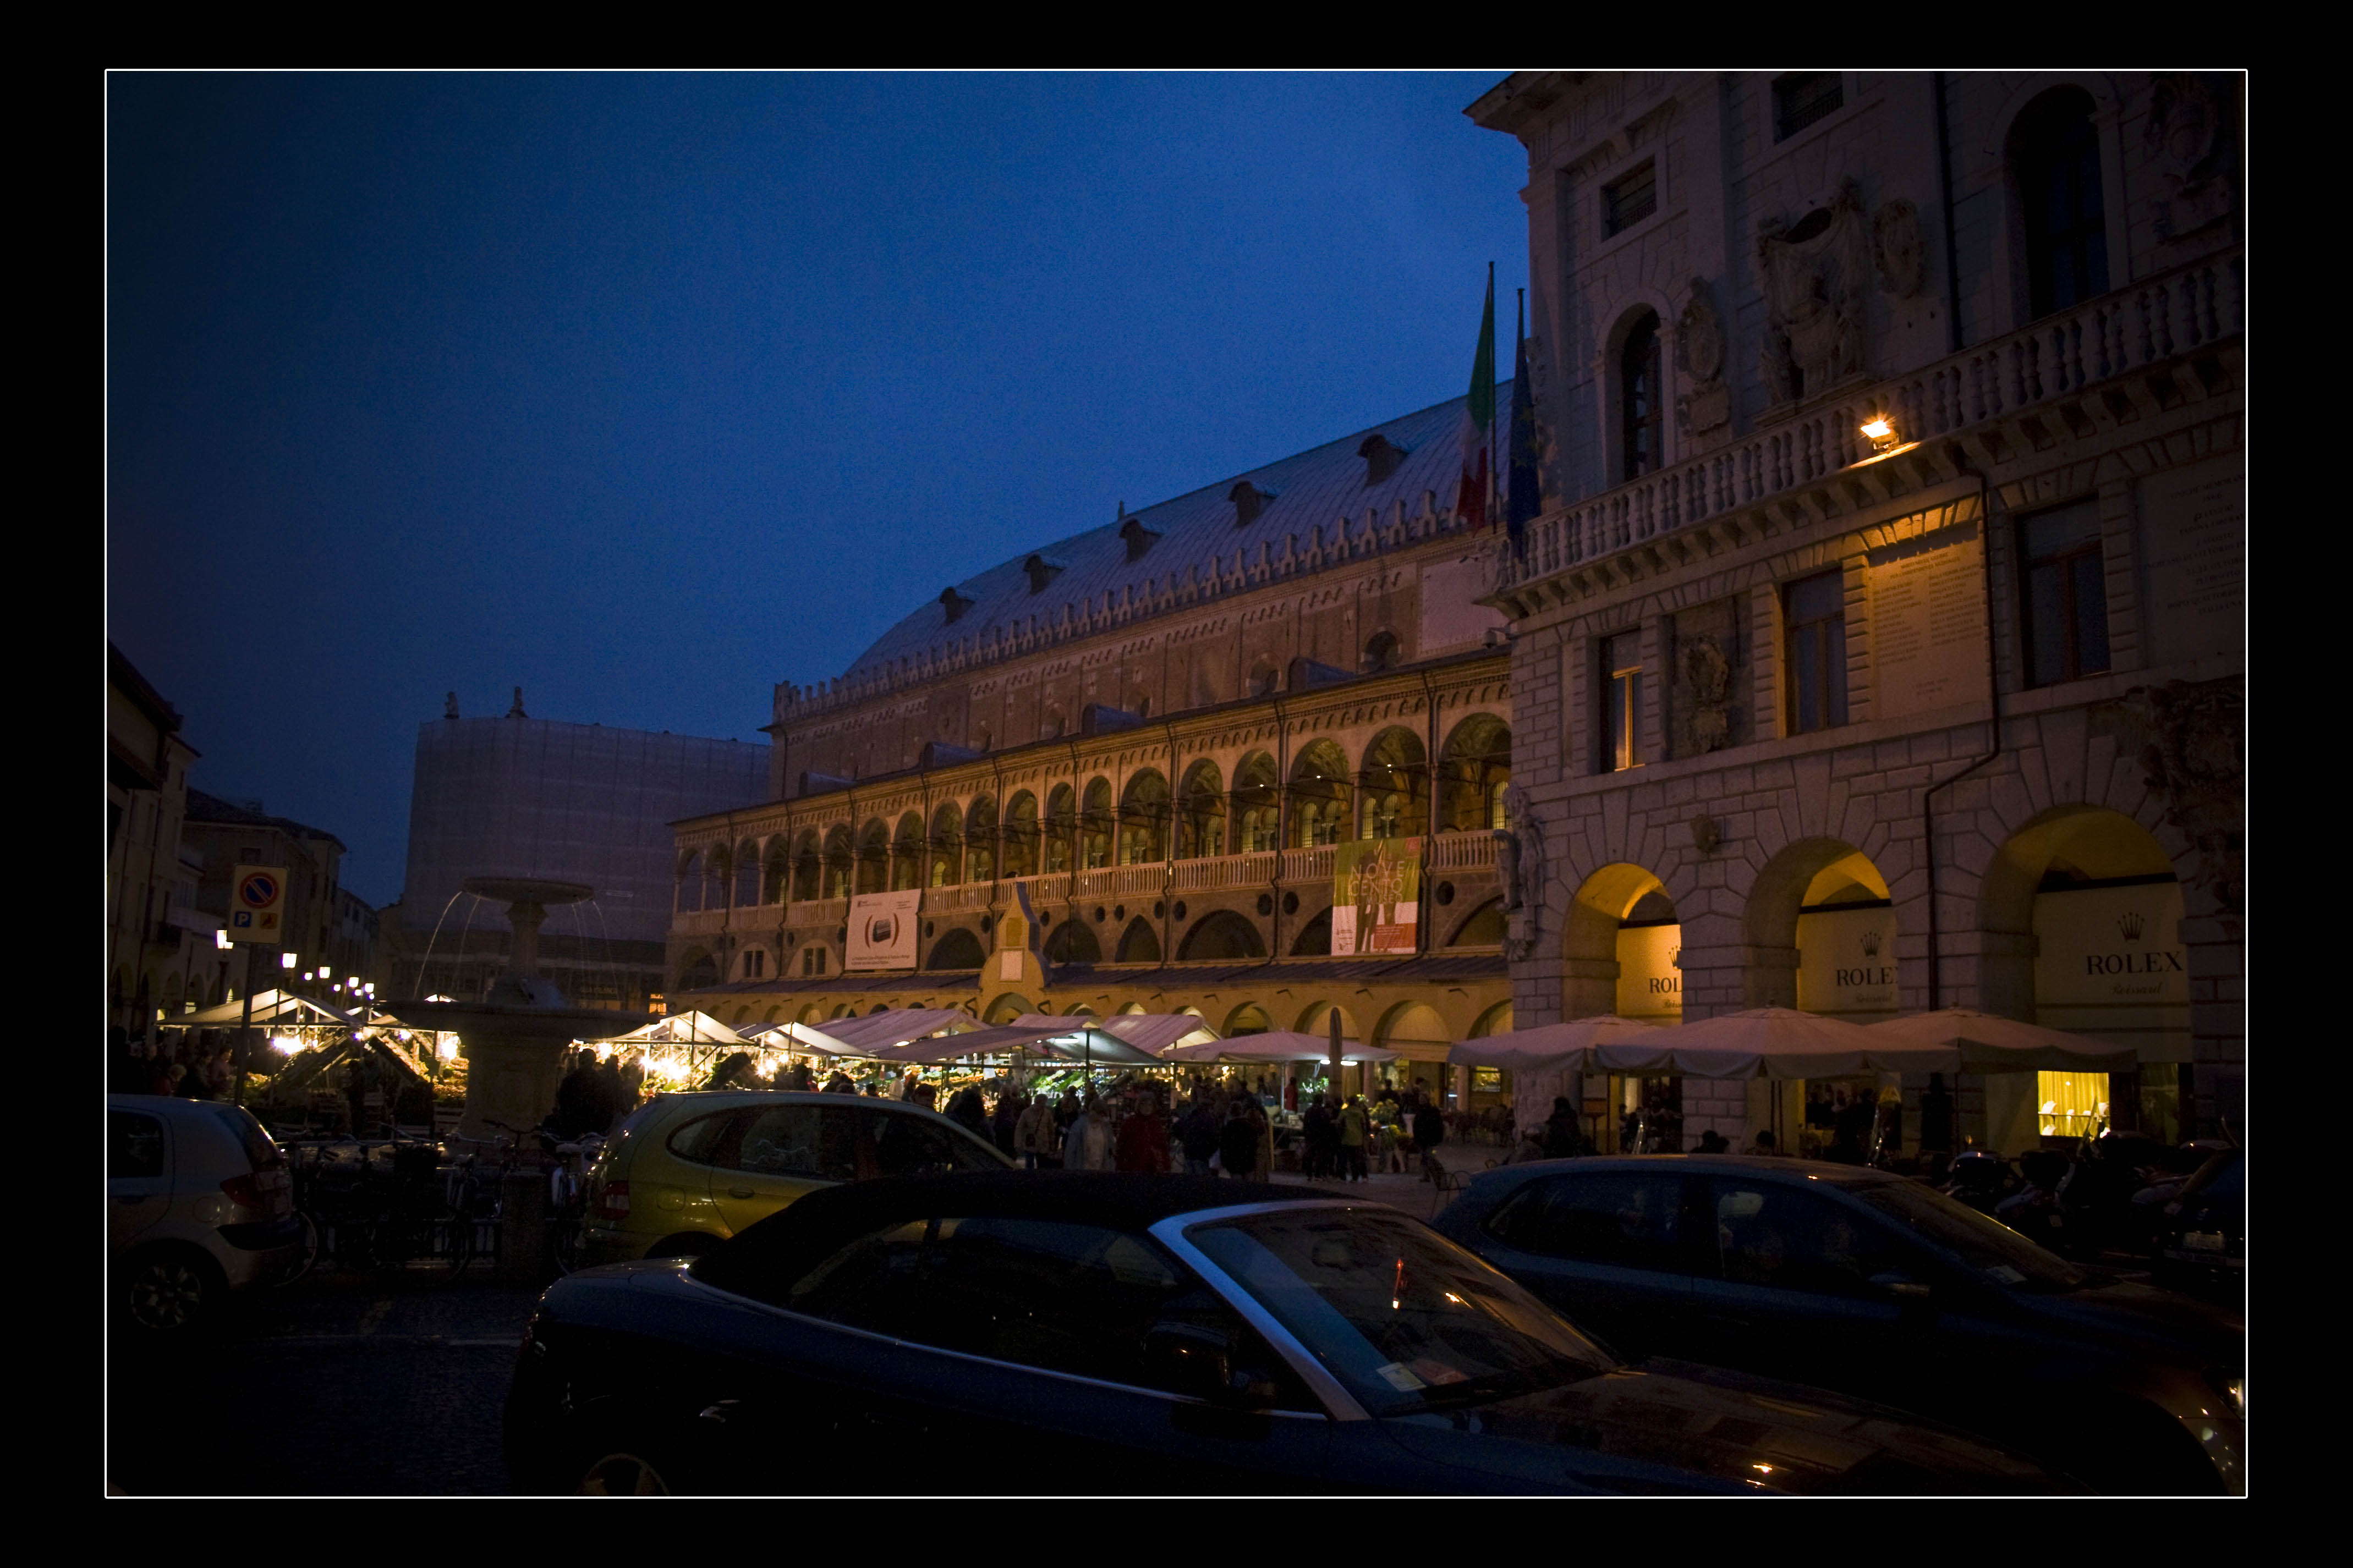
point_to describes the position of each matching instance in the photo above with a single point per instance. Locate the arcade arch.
(1395, 796)
(1320, 795)
(1201, 812)
(1221, 933)
(1473, 768)
(1621, 942)
(1257, 804)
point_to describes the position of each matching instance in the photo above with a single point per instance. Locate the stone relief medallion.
(1897, 245)
(1708, 677)
(1815, 274)
(1699, 334)
(2185, 133)
(2191, 741)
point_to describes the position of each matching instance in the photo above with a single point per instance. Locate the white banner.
(883, 929)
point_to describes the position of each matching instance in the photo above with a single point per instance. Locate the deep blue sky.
(645, 392)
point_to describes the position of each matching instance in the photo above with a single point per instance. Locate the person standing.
(1237, 1142)
(1563, 1138)
(1033, 1134)
(1353, 1134)
(1315, 1133)
(1007, 1119)
(1199, 1136)
(1087, 1146)
(1429, 1128)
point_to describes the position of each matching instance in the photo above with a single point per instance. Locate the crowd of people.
(190, 1067)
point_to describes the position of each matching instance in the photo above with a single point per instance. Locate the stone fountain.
(515, 1037)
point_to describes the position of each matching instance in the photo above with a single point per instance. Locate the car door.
(770, 1155)
(1021, 1343)
(138, 1174)
(1607, 1250)
(1785, 1288)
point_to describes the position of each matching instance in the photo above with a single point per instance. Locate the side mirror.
(1195, 1360)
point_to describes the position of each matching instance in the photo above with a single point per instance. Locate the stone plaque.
(2193, 553)
(1928, 621)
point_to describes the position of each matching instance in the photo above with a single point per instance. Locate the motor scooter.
(2038, 1210)
(1979, 1178)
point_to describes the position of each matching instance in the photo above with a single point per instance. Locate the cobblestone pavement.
(375, 1385)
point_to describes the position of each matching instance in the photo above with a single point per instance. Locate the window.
(1640, 395)
(1380, 653)
(1621, 701)
(755, 964)
(1801, 98)
(1626, 1221)
(2065, 589)
(1629, 199)
(2056, 156)
(1261, 680)
(134, 1145)
(1784, 1239)
(1815, 612)
(812, 961)
(908, 1144)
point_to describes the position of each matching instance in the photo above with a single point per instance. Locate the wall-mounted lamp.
(221, 940)
(1880, 431)
(289, 960)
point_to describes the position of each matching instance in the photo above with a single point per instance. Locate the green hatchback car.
(685, 1172)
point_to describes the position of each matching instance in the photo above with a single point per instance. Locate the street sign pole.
(245, 1030)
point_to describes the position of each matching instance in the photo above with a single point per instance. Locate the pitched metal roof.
(1314, 514)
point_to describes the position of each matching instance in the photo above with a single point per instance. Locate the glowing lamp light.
(325, 973)
(309, 974)
(287, 960)
(1880, 431)
(221, 940)
(285, 1045)
(447, 1047)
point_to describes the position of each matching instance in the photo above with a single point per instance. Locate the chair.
(1444, 1183)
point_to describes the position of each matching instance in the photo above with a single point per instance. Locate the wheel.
(171, 1291)
(563, 1240)
(312, 1243)
(622, 1474)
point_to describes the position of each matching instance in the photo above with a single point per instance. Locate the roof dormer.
(1381, 456)
(1248, 501)
(1041, 572)
(1139, 538)
(954, 603)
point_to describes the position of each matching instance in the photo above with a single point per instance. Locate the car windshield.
(1990, 1247)
(1407, 1320)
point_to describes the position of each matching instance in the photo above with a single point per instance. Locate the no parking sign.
(257, 905)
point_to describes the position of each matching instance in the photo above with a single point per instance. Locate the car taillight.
(612, 1201)
(245, 1192)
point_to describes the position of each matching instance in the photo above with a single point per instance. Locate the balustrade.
(1463, 852)
(1311, 864)
(2129, 329)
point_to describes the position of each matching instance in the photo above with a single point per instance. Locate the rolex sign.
(2110, 947)
(1846, 962)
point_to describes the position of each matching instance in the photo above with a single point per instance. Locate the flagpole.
(1491, 418)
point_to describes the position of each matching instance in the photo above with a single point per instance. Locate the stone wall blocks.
(1850, 762)
(1936, 746)
(1891, 755)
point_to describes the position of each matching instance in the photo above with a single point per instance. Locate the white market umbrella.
(1278, 1046)
(1151, 1033)
(689, 1028)
(876, 1032)
(1567, 1045)
(1772, 1042)
(1988, 1042)
(279, 1007)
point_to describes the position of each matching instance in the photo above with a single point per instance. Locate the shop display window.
(2071, 1104)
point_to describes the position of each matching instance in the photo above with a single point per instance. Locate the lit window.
(1815, 611)
(1621, 702)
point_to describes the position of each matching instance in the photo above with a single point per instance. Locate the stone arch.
(1810, 877)
(773, 1016)
(1591, 933)
(812, 1014)
(1249, 1018)
(2012, 304)
(1201, 813)
(1073, 941)
(1006, 1008)
(775, 870)
(958, 949)
(746, 890)
(907, 852)
(1097, 824)
(1393, 787)
(1495, 1020)
(809, 865)
(743, 1014)
(1144, 813)
(1221, 933)
(1060, 828)
(841, 1010)
(1314, 938)
(1312, 1021)
(1320, 795)
(1134, 1009)
(1473, 767)
(1412, 1023)
(1140, 944)
(687, 898)
(696, 969)
(1382, 651)
(718, 872)
(1023, 832)
(1484, 927)
(946, 851)
(980, 840)
(873, 870)
(839, 866)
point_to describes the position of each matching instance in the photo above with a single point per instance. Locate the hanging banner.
(1376, 895)
(882, 928)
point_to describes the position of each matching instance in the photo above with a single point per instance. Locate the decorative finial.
(516, 712)
(449, 706)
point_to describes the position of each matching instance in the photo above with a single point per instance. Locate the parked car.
(2203, 1234)
(1882, 1288)
(684, 1172)
(198, 1205)
(1063, 1331)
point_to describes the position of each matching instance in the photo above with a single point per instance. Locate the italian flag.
(1478, 419)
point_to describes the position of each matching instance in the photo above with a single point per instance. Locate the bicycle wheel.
(563, 1238)
(312, 1240)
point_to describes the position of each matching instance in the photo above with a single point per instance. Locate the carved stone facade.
(1813, 763)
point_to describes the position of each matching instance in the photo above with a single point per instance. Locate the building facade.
(1126, 772)
(223, 835)
(160, 955)
(517, 796)
(1880, 645)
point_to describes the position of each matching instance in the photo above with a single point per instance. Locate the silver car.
(200, 1204)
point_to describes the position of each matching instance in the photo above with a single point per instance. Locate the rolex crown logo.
(1871, 945)
(2130, 923)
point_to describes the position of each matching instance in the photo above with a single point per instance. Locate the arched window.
(1062, 827)
(1201, 812)
(840, 860)
(946, 848)
(1258, 799)
(981, 841)
(874, 858)
(1472, 770)
(1143, 818)
(1319, 784)
(1396, 786)
(1261, 678)
(1095, 825)
(1380, 652)
(1640, 395)
(907, 853)
(807, 866)
(2054, 156)
(1022, 835)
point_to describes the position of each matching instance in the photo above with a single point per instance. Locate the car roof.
(812, 1227)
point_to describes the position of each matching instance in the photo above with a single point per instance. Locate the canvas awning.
(1769, 1042)
(876, 1032)
(1988, 1042)
(1003, 1040)
(1278, 1046)
(278, 1008)
(689, 1028)
(1151, 1033)
(1568, 1047)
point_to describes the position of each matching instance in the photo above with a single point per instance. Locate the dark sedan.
(1088, 1333)
(1881, 1288)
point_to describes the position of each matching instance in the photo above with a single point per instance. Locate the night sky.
(644, 393)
